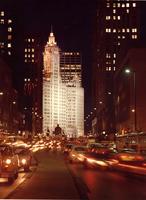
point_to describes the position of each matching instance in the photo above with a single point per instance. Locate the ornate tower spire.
(51, 41)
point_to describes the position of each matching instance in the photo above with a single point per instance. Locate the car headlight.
(8, 161)
(24, 161)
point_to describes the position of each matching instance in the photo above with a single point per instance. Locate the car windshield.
(21, 151)
(80, 148)
(5, 150)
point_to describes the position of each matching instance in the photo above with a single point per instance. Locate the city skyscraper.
(70, 65)
(119, 24)
(63, 103)
(6, 32)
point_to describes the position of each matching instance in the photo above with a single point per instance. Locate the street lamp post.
(128, 71)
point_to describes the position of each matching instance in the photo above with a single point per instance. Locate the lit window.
(134, 4)
(114, 5)
(118, 43)
(114, 10)
(32, 50)
(32, 55)
(9, 37)
(25, 50)
(123, 5)
(32, 40)
(127, 5)
(114, 68)
(134, 30)
(119, 36)
(128, 30)
(28, 50)
(108, 5)
(134, 36)
(2, 13)
(119, 17)
(108, 17)
(25, 55)
(25, 60)
(28, 39)
(9, 29)
(28, 55)
(9, 45)
(32, 60)
(114, 17)
(123, 30)
(106, 68)
(118, 5)
(114, 55)
(119, 31)
(113, 61)
(9, 21)
(114, 30)
(123, 37)
(109, 68)
(9, 52)
(2, 21)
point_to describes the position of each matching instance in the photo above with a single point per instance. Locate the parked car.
(25, 157)
(8, 163)
(76, 153)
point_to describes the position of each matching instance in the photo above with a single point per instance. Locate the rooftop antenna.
(51, 28)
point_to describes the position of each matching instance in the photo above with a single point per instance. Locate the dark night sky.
(72, 25)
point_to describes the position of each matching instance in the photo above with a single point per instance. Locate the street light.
(129, 71)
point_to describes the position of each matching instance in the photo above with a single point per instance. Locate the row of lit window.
(29, 60)
(108, 55)
(123, 5)
(110, 68)
(29, 55)
(9, 45)
(29, 50)
(71, 53)
(108, 63)
(2, 21)
(123, 30)
(30, 40)
(114, 17)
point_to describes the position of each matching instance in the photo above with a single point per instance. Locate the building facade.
(120, 23)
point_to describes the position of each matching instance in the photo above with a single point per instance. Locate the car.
(25, 157)
(67, 148)
(8, 163)
(130, 157)
(94, 160)
(93, 146)
(76, 154)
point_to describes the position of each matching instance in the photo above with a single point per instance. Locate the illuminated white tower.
(63, 104)
(52, 87)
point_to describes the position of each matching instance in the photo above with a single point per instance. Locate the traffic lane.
(51, 180)
(100, 184)
(7, 189)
